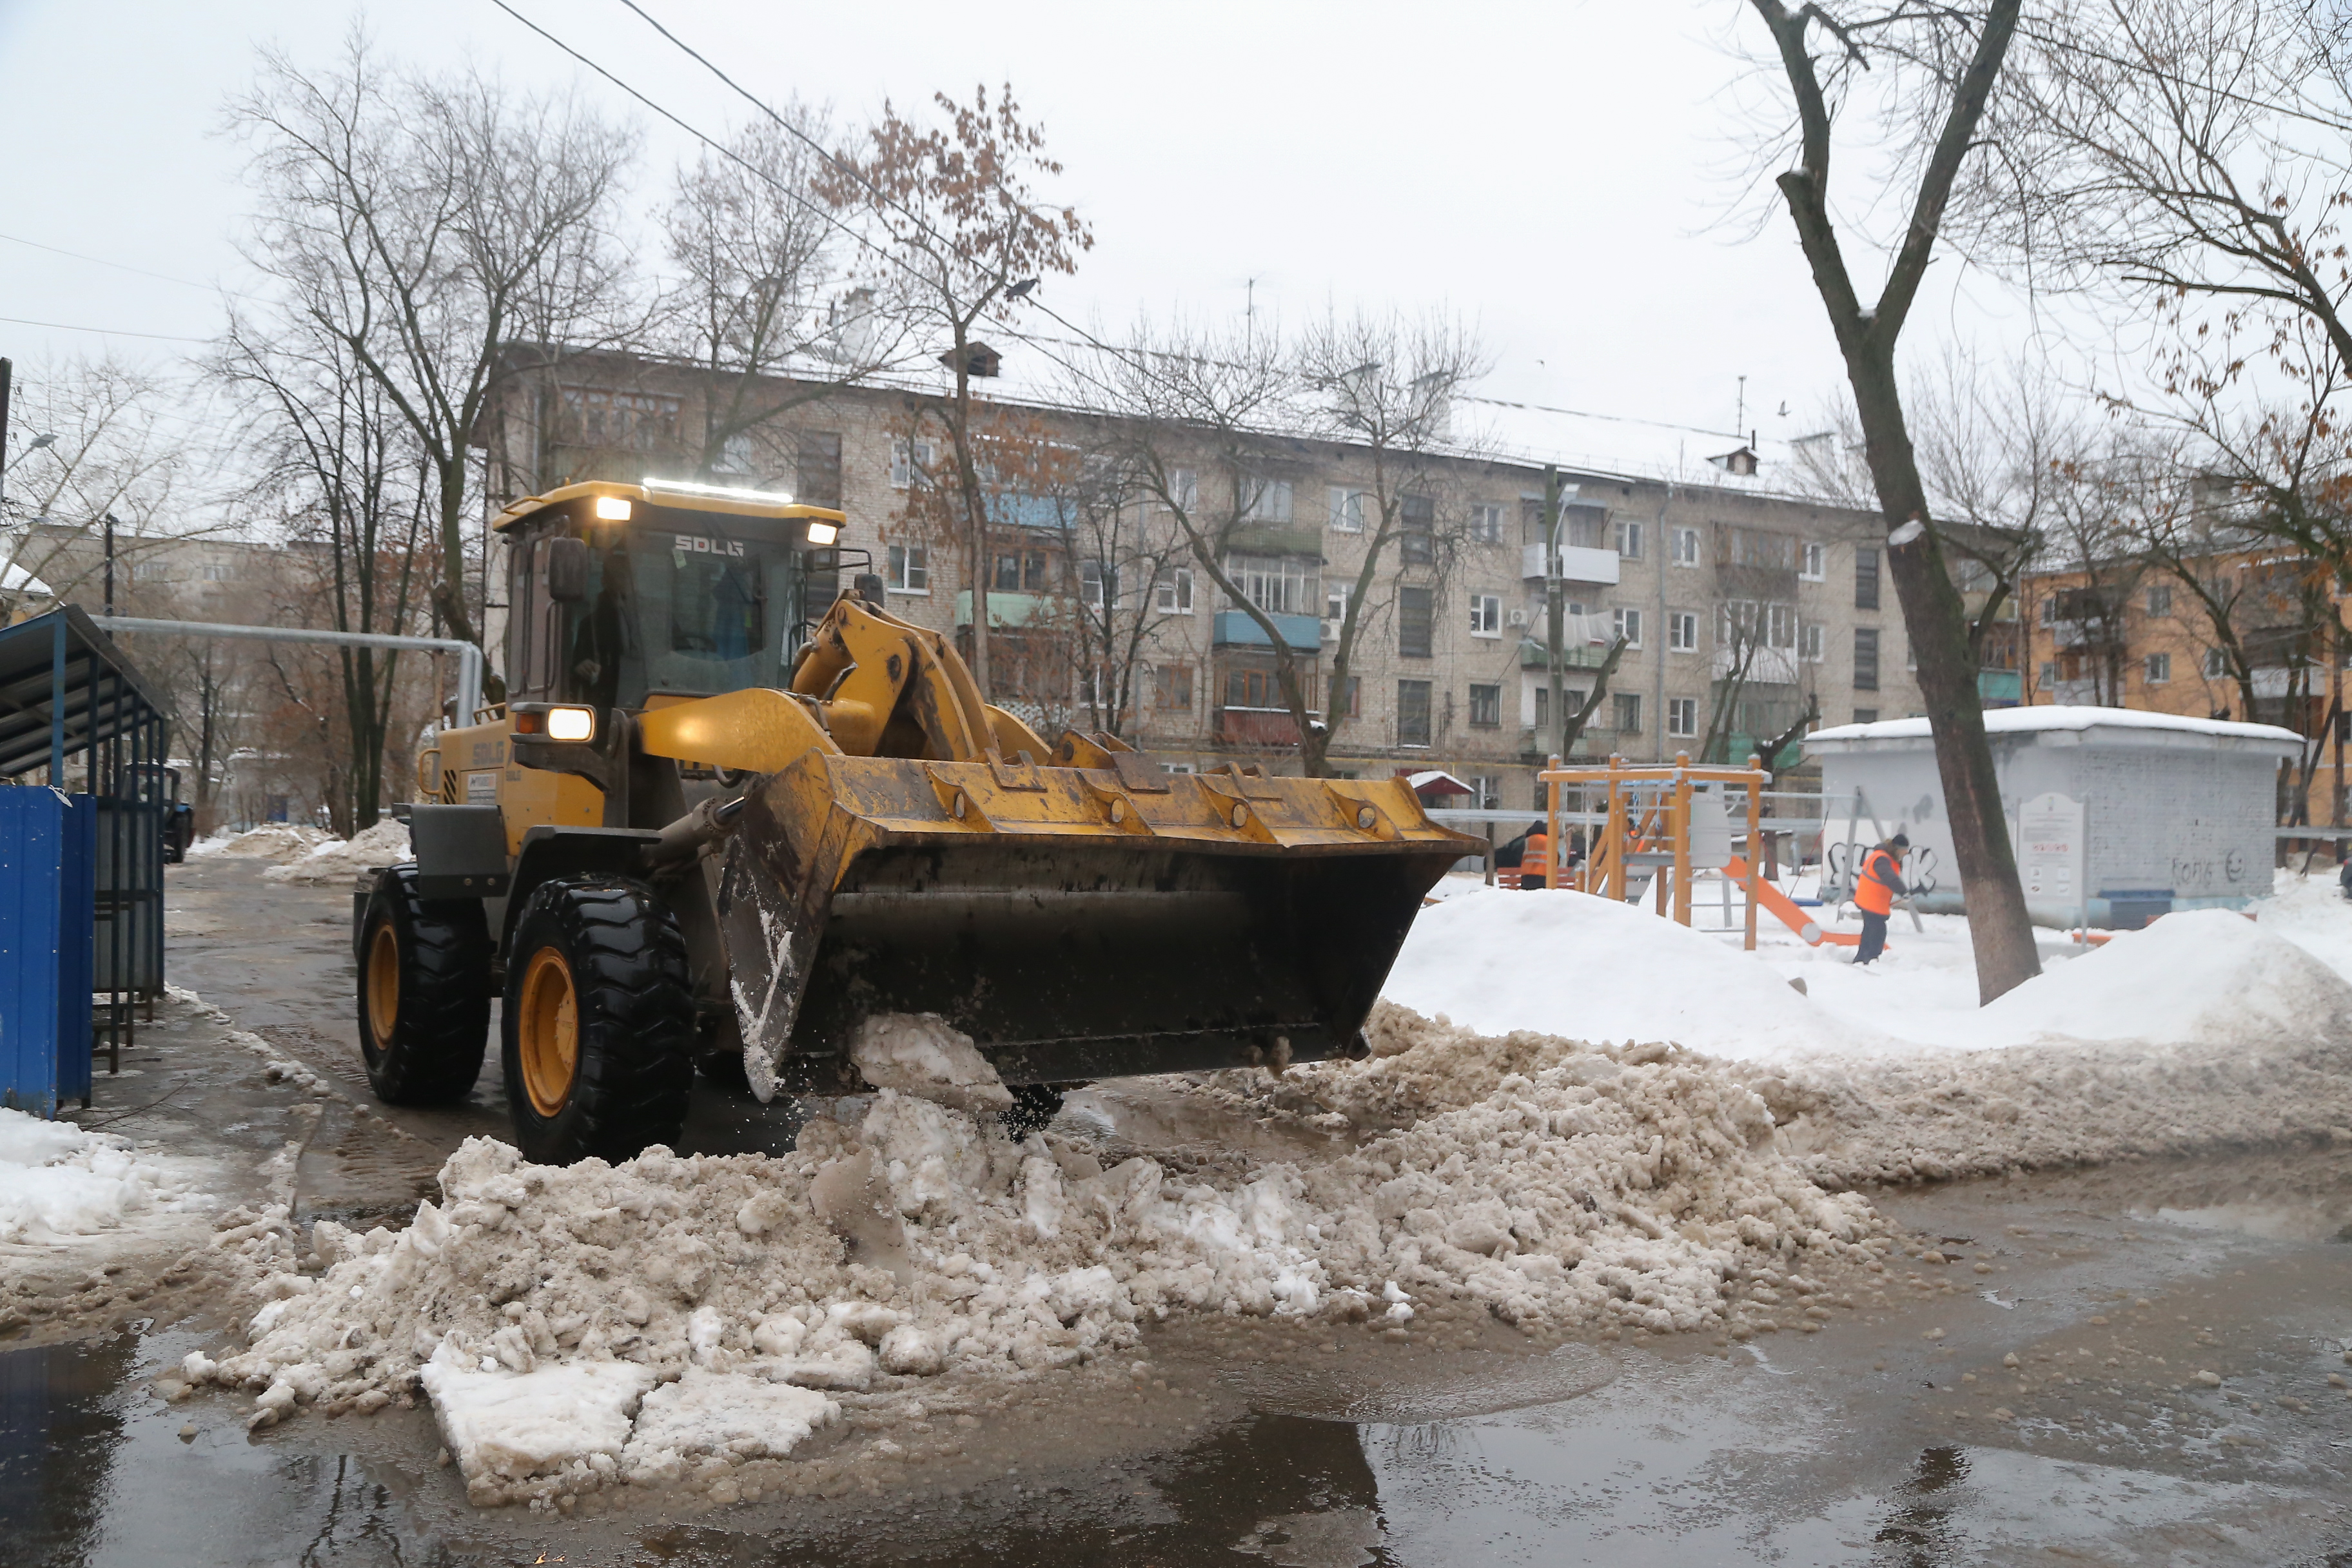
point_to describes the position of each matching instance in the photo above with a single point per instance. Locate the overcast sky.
(1556, 172)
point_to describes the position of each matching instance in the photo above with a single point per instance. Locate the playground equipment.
(1655, 819)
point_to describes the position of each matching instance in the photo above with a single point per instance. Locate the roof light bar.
(720, 492)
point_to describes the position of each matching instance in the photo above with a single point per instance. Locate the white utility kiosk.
(2175, 813)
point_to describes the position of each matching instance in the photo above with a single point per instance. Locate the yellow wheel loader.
(729, 812)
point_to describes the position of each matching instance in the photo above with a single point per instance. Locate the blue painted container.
(48, 844)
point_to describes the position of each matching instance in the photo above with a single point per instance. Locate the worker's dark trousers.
(1873, 938)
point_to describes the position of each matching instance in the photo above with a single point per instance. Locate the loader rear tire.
(423, 992)
(597, 1041)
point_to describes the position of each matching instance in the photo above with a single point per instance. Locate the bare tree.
(954, 212)
(1386, 387)
(108, 453)
(763, 308)
(1122, 556)
(1951, 58)
(1198, 418)
(428, 224)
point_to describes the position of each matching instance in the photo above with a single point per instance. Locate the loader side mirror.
(567, 570)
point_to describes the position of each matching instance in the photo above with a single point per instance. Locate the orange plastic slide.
(1789, 913)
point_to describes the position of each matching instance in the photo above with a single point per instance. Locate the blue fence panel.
(47, 891)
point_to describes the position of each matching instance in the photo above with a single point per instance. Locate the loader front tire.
(597, 1041)
(423, 992)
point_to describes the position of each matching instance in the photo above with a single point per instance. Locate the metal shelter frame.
(65, 692)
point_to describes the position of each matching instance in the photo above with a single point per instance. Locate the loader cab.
(620, 596)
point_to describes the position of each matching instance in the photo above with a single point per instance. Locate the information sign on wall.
(2050, 849)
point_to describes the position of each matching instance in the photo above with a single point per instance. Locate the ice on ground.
(707, 1413)
(506, 1427)
(338, 860)
(279, 841)
(57, 1181)
(919, 1054)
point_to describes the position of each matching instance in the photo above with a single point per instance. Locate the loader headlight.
(613, 508)
(571, 723)
(823, 533)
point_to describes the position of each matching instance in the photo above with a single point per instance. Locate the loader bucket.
(1077, 923)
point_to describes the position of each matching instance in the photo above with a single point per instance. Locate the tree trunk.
(2000, 928)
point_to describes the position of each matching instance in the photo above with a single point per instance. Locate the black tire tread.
(443, 1028)
(635, 1001)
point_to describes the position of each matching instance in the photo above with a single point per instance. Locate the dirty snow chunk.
(337, 860)
(279, 841)
(909, 1352)
(919, 1054)
(708, 1413)
(58, 1179)
(505, 1427)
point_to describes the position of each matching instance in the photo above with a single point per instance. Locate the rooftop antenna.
(1739, 420)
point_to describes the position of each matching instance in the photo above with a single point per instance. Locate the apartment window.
(817, 467)
(2050, 672)
(1865, 659)
(1280, 585)
(1171, 686)
(1809, 643)
(1412, 713)
(1629, 538)
(1629, 713)
(1352, 703)
(1486, 707)
(912, 463)
(1171, 591)
(1686, 548)
(1414, 615)
(2159, 599)
(1345, 508)
(1253, 689)
(1865, 715)
(1263, 501)
(1866, 578)
(1019, 572)
(2160, 669)
(1812, 561)
(1487, 523)
(1486, 614)
(910, 568)
(735, 455)
(1335, 602)
(1629, 625)
(1416, 525)
(1185, 490)
(2049, 615)
(1092, 576)
(1682, 716)
(2217, 665)
(1682, 631)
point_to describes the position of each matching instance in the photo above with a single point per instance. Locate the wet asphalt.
(2139, 1364)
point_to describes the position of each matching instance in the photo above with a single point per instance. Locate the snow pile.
(919, 1055)
(1602, 1188)
(503, 1426)
(339, 859)
(279, 841)
(1591, 968)
(58, 1179)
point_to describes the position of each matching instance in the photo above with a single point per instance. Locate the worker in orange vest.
(1875, 892)
(1535, 858)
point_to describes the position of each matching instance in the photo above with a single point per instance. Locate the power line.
(124, 265)
(102, 332)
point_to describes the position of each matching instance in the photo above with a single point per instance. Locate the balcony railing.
(1239, 628)
(1577, 563)
(1255, 727)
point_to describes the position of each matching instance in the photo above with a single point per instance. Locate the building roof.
(2053, 716)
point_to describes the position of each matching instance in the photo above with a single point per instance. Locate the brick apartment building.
(1674, 538)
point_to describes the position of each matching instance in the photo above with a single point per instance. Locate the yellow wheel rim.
(384, 985)
(547, 1031)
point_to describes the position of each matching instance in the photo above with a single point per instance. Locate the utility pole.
(110, 564)
(7, 375)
